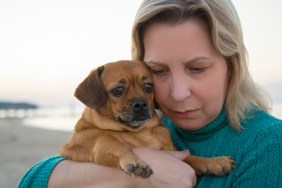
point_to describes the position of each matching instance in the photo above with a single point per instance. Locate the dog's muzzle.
(138, 114)
(140, 110)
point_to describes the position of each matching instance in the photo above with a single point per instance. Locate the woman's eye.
(148, 87)
(197, 69)
(117, 92)
(158, 72)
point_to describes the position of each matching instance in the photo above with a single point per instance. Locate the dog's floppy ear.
(91, 91)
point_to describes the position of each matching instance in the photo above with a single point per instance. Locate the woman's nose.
(180, 88)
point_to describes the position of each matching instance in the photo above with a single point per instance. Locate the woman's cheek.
(161, 92)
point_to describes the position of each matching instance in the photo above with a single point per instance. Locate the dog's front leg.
(111, 152)
(218, 166)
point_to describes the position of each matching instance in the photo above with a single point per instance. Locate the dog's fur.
(119, 115)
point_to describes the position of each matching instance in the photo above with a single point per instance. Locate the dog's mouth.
(136, 114)
(135, 120)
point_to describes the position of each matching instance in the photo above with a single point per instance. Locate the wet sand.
(22, 146)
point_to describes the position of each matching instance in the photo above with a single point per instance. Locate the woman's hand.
(169, 170)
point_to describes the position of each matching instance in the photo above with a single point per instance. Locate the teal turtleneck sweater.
(257, 150)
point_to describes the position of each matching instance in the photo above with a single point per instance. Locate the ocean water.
(54, 123)
(55, 118)
(65, 118)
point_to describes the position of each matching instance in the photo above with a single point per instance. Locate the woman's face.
(190, 76)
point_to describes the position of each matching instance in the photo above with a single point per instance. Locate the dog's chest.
(145, 139)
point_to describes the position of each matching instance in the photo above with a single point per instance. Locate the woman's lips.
(184, 113)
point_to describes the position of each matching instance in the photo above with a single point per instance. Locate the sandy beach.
(23, 146)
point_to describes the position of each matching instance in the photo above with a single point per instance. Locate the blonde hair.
(226, 34)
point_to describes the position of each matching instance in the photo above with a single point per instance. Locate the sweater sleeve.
(261, 163)
(38, 175)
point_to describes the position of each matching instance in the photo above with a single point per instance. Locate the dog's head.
(122, 91)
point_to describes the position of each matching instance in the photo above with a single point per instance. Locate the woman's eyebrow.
(195, 59)
(152, 62)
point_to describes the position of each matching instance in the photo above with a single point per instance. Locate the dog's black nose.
(140, 110)
(140, 105)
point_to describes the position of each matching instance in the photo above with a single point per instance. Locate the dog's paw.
(219, 166)
(139, 170)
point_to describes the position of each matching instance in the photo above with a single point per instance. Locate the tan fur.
(119, 116)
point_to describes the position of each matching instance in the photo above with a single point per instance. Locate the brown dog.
(120, 115)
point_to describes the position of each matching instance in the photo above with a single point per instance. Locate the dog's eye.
(117, 92)
(148, 88)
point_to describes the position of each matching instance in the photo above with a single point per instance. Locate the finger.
(194, 180)
(181, 155)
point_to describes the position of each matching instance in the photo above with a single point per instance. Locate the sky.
(47, 47)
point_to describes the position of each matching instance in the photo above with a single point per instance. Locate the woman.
(196, 53)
